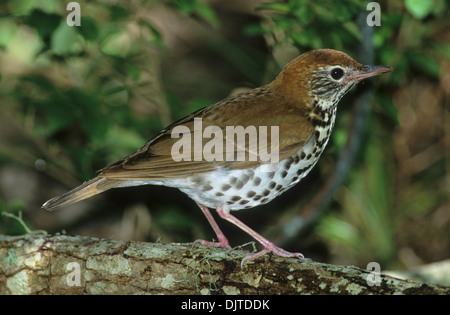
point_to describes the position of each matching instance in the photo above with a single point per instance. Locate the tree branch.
(45, 264)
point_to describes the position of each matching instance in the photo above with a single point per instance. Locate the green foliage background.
(74, 99)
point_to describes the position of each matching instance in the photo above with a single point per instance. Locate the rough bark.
(44, 264)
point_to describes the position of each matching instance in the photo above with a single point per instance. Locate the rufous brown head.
(324, 76)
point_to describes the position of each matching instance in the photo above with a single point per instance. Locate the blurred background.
(74, 99)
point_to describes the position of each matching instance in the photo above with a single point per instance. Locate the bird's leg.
(222, 240)
(268, 246)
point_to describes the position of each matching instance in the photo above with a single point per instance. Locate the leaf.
(207, 14)
(426, 64)
(116, 44)
(387, 104)
(344, 11)
(156, 37)
(353, 29)
(443, 49)
(63, 39)
(43, 22)
(118, 13)
(58, 115)
(21, 7)
(254, 29)
(304, 14)
(275, 6)
(88, 28)
(7, 31)
(338, 230)
(419, 8)
(122, 141)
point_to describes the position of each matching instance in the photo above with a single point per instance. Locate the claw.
(222, 243)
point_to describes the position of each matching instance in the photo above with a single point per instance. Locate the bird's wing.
(251, 110)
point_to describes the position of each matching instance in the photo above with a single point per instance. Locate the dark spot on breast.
(236, 198)
(207, 187)
(244, 179)
(289, 163)
(225, 187)
(250, 194)
(198, 180)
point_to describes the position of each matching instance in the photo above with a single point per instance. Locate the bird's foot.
(272, 248)
(269, 247)
(222, 243)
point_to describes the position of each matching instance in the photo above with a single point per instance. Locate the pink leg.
(222, 240)
(268, 246)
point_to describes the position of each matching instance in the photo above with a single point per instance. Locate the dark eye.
(337, 73)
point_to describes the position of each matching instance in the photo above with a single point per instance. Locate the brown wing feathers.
(154, 160)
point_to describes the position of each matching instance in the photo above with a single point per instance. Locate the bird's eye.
(337, 73)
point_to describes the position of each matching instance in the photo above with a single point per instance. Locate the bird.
(206, 154)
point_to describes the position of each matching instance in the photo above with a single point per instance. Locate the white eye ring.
(337, 73)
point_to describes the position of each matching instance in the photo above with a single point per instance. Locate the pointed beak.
(370, 71)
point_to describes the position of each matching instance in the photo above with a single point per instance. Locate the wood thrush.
(198, 154)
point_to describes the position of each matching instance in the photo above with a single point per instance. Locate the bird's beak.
(370, 71)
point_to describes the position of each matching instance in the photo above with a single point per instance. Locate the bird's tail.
(86, 190)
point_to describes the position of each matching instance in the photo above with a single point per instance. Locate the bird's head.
(323, 76)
